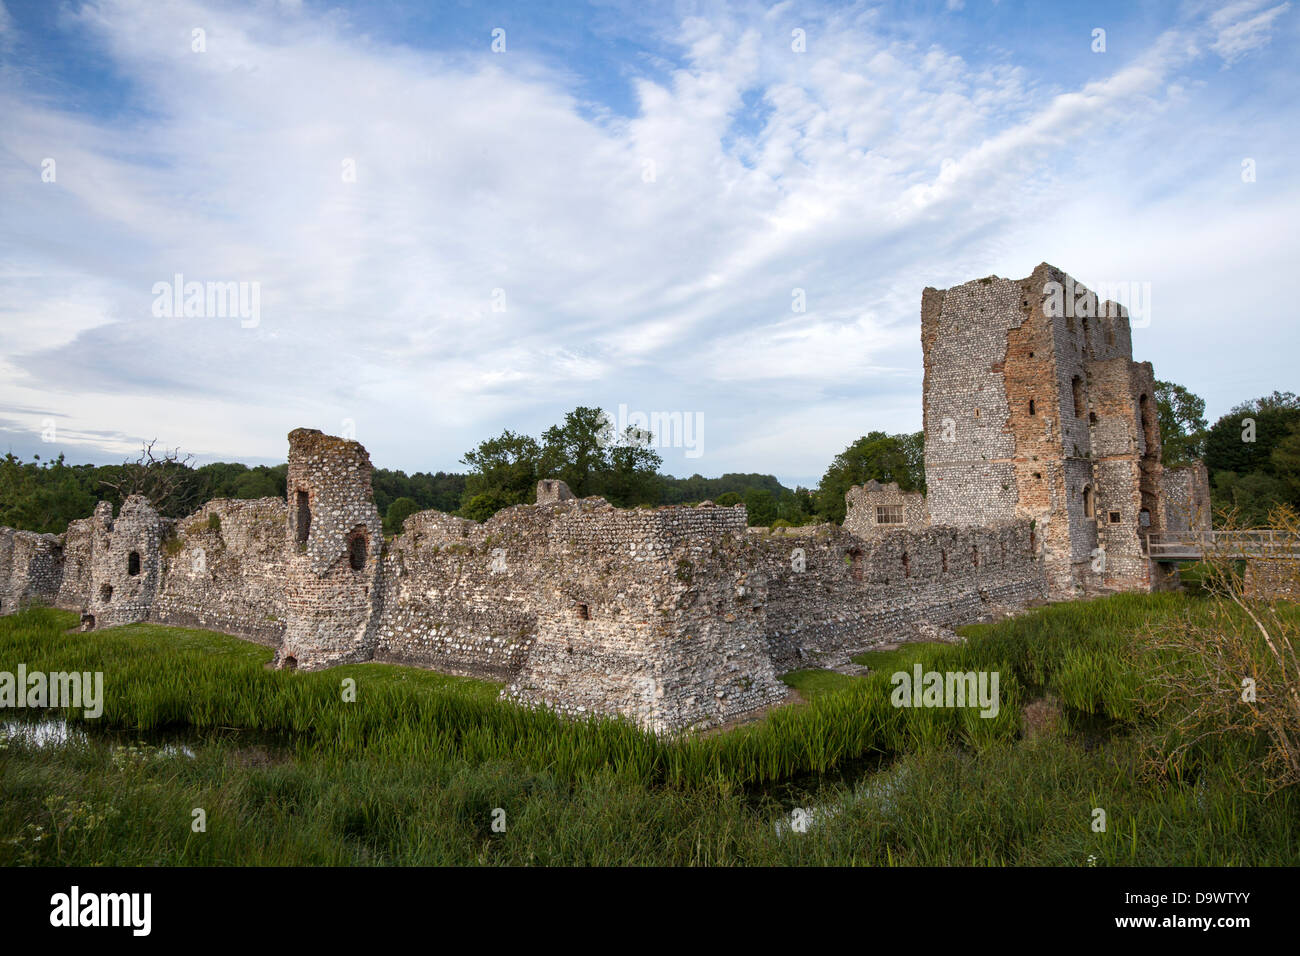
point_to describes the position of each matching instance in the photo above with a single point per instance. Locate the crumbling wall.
(31, 566)
(552, 490)
(74, 583)
(657, 615)
(874, 509)
(970, 479)
(225, 570)
(460, 596)
(126, 562)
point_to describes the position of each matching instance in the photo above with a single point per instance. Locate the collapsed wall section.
(225, 569)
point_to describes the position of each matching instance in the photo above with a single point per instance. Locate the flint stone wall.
(332, 607)
(74, 583)
(31, 568)
(835, 594)
(862, 501)
(122, 587)
(1187, 498)
(225, 570)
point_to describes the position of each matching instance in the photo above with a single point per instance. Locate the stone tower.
(126, 566)
(1035, 408)
(334, 536)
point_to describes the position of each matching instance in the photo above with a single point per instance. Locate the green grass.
(813, 682)
(411, 772)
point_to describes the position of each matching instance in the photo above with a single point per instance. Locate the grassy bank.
(414, 768)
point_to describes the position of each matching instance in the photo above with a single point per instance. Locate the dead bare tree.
(167, 479)
(1229, 667)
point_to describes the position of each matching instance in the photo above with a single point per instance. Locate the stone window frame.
(359, 536)
(890, 515)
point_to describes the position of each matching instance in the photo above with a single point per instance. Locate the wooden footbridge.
(1234, 545)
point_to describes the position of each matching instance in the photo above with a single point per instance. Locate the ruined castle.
(1042, 461)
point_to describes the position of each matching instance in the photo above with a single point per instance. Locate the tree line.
(1252, 453)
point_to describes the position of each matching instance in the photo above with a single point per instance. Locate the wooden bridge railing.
(1194, 545)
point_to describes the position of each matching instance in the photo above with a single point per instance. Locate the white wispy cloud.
(648, 259)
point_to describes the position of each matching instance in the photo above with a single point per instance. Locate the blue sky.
(614, 210)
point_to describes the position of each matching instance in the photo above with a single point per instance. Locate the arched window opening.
(303, 522)
(1089, 508)
(583, 612)
(855, 564)
(943, 558)
(975, 555)
(133, 563)
(1080, 402)
(106, 593)
(357, 552)
(291, 663)
(907, 565)
(1032, 410)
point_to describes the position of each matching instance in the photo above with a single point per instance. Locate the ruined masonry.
(1043, 468)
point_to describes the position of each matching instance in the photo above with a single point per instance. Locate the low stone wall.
(585, 608)
(31, 568)
(1272, 580)
(834, 594)
(225, 570)
(460, 596)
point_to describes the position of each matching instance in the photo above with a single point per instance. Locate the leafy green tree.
(761, 507)
(504, 469)
(728, 499)
(1286, 464)
(878, 456)
(575, 451)
(1241, 452)
(1265, 420)
(1183, 427)
(399, 511)
(632, 475)
(483, 506)
(1253, 495)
